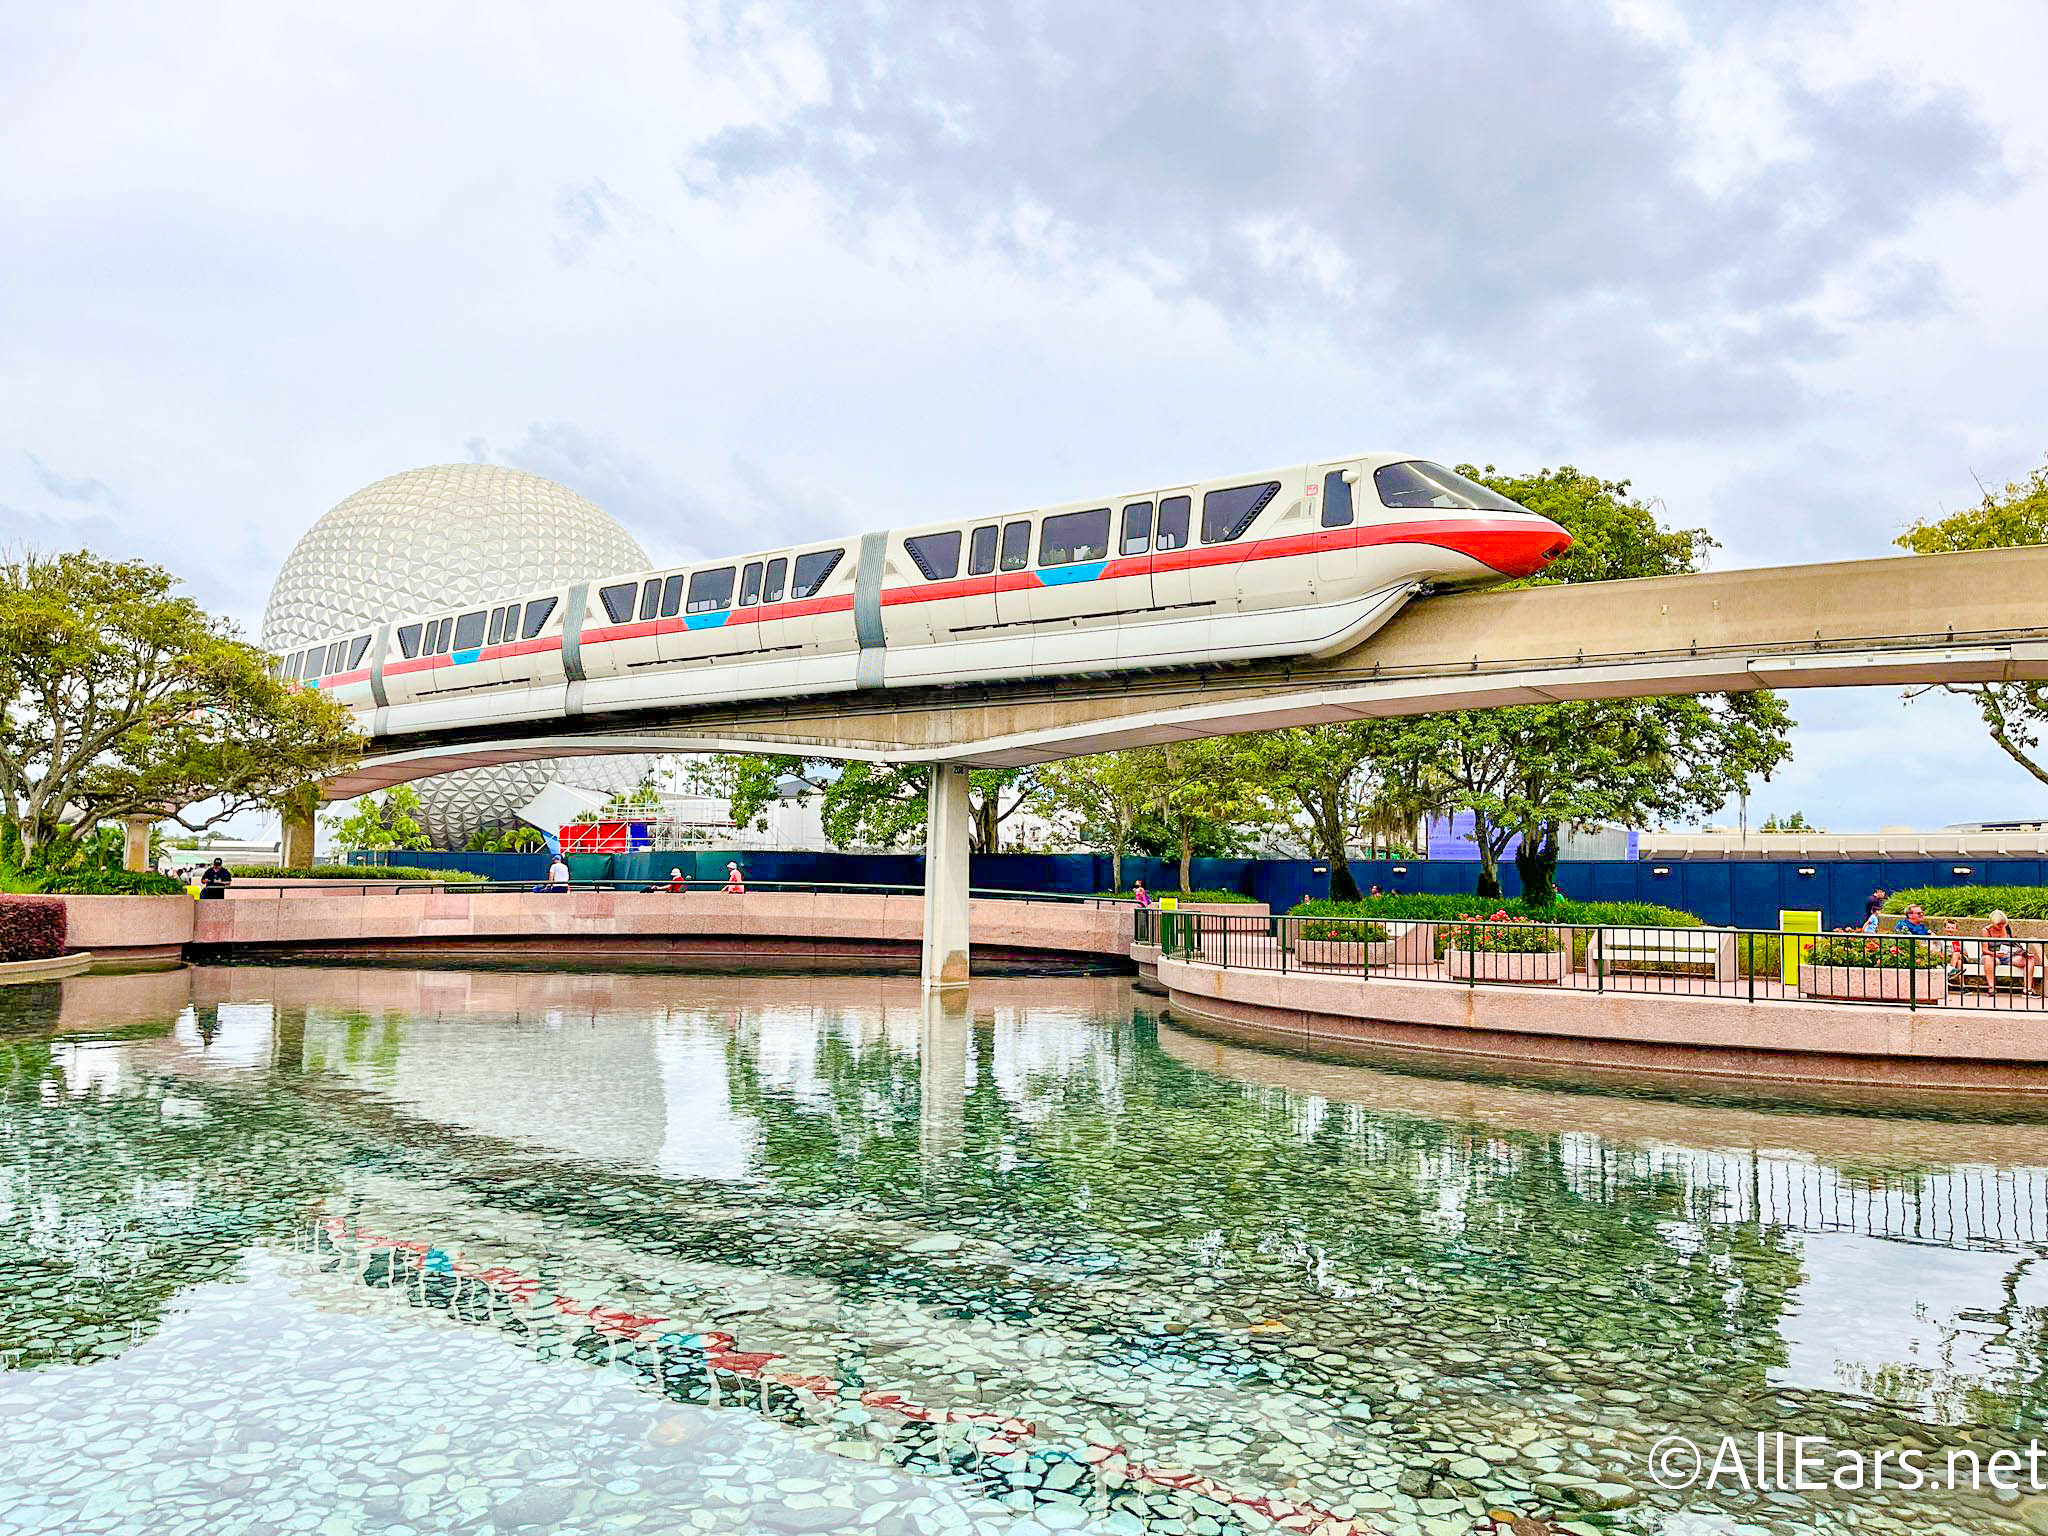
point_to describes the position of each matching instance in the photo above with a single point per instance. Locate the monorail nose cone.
(1531, 545)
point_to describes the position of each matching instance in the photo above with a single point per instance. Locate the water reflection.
(1038, 1253)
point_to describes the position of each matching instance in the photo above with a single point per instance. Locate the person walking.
(1139, 895)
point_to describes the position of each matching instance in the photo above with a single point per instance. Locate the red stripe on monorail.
(795, 608)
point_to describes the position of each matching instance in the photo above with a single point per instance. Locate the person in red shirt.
(735, 884)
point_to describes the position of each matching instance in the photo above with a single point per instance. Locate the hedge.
(1180, 896)
(31, 928)
(353, 872)
(1426, 907)
(104, 882)
(2029, 901)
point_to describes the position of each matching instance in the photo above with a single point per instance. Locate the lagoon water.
(380, 1250)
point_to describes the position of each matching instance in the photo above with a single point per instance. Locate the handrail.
(278, 888)
(1947, 969)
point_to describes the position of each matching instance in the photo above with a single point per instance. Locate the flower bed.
(1875, 968)
(1503, 948)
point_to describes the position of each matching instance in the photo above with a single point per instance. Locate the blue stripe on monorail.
(463, 658)
(1070, 575)
(705, 620)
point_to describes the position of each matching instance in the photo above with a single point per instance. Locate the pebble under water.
(357, 1250)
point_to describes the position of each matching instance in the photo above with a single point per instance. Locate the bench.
(1615, 949)
(1967, 965)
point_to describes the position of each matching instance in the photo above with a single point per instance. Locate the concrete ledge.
(44, 970)
(1636, 1033)
(127, 928)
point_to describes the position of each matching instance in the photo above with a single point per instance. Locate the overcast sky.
(731, 269)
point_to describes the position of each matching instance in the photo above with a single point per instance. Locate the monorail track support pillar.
(944, 961)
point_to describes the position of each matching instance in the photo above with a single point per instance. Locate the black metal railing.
(1950, 968)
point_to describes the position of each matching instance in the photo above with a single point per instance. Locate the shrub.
(1499, 934)
(352, 872)
(1870, 949)
(1346, 931)
(1212, 897)
(105, 882)
(2029, 901)
(1426, 907)
(31, 928)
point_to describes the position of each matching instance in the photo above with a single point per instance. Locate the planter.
(1543, 967)
(1344, 954)
(1875, 983)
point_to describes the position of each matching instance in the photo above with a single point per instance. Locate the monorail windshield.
(1419, 483)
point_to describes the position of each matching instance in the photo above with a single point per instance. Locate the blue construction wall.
(1747, 893)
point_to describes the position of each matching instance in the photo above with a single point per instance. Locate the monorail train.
(1304, 561)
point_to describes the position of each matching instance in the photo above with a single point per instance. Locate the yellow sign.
(1169, 904)
(1792, 951)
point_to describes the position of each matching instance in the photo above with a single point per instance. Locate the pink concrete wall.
(106, 925)
(1651, 1031)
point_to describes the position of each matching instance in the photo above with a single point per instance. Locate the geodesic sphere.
(444, 537)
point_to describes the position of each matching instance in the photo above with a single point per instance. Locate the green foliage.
(380, 823)
(1100, 797)
(1185, 898)
(1796, 822)
(505, 840)
(1335, 781)
(2029, 901)
(1876, 951)
(95, 882)
(119, 698)
(866, 805)
(355, 872)
(2015, 714)
(1338, 929)
(1428, 907)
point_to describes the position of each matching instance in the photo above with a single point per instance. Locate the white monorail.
(1296, 562)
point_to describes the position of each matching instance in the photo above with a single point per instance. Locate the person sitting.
(214, 881)
(675, 884)
(735, 882)
(2001, 946)
(1139, 895)
(558, 876)
(1914, 922)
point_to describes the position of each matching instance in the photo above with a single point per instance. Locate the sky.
(745, 273)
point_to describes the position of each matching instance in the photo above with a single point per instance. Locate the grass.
(354, 872)
(1180, 896)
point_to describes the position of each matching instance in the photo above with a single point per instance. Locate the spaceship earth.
(439, 537)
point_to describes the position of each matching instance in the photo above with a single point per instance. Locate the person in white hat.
(735, 883)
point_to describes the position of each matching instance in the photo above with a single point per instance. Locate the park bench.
(1711, 950)
(1968, 964)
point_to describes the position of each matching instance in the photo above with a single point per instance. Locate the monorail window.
(1073, 537)
(771, 590)
(356, 647)
(316, 662)
(712, 590)
(1336, 500)
(441, 644)
(1137, 528)
(1016, 545)
(981, 554)
(650, 598)
(936, 554)
(537, 613)
(672, 596)
(1226, 514)
(409, 640)
(618, 601)
(812, 569)
(497, 627)
(334, 655)
(1419, 483)
(750, 584)
(1173, 522)
(469, 631)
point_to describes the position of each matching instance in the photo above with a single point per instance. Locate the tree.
(1796, 822)
(120, 698)
(1196, 785)
(378, 823)
(1104, 796)
(2014, 713)
(1529, 771)
(866, 805)
(1342, 782)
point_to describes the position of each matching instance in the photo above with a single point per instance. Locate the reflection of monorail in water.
(1304, 561)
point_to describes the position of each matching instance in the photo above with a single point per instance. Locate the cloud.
(82, 489)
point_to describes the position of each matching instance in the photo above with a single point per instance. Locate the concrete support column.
(945, 1039)
(297, 840)
(135, 841)
(945, 879)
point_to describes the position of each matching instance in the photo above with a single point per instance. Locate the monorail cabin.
(1298, 562)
